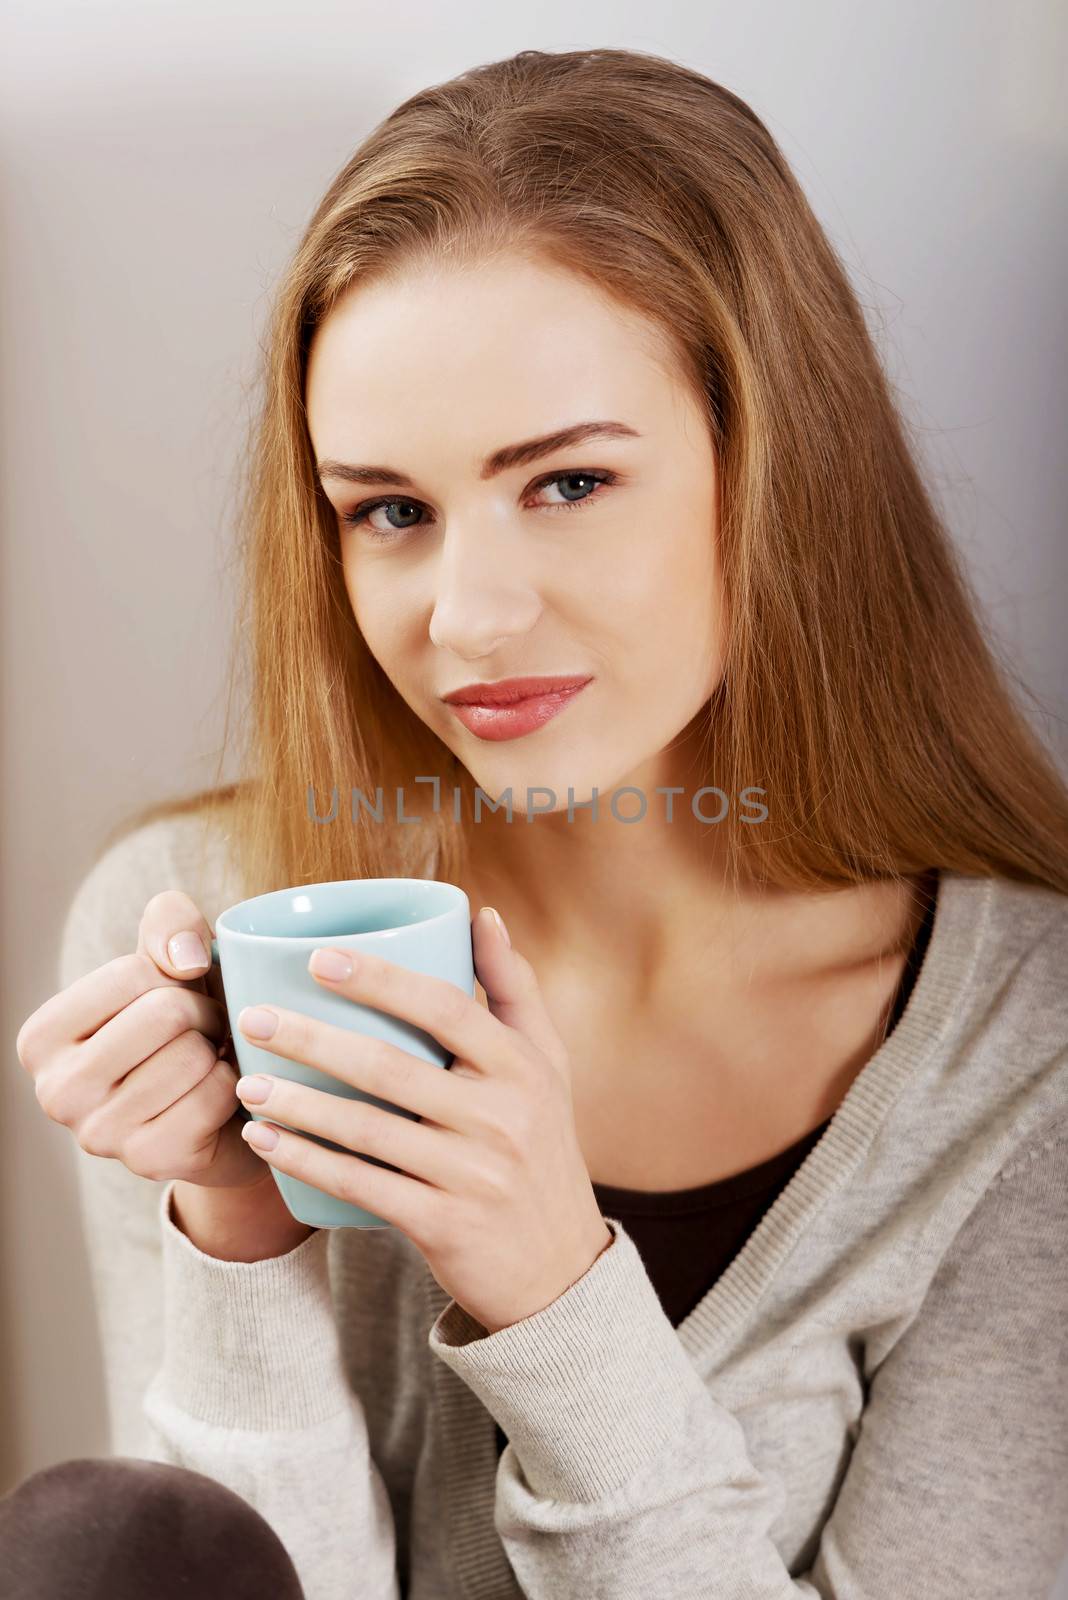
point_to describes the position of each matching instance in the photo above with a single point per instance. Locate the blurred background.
(159, 162)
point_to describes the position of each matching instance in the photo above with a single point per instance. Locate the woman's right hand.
(128, 1058)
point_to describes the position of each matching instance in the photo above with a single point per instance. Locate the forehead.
(504, 341)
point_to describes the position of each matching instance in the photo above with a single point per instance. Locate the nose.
(483, 597)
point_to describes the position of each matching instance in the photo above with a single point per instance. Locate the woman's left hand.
(493, 1188)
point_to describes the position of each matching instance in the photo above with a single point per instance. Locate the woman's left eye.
(390, 533)
(596, 478)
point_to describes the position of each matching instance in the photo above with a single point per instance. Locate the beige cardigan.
(871, 1401)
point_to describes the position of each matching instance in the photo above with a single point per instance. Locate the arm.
(624, 1477)
(229, 1368)
(251, 1392)
(119, 1210)
(961, 1467)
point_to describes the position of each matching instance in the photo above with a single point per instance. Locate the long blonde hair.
(860, 690)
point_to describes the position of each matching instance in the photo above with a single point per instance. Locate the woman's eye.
(578, 489)
(355, 518)
(584, 493)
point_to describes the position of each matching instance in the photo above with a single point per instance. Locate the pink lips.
(514, 707)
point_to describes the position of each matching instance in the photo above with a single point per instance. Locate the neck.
(648, 906)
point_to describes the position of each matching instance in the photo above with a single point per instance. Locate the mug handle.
(243, 1112)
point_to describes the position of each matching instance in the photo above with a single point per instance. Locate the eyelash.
(358, 516)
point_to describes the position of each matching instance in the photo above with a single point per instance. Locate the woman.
(727, 1256)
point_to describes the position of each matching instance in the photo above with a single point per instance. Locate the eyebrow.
(509, 455)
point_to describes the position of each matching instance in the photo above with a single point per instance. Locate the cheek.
(691, 593)
(380, 612)
(665, 612)
(668, 587)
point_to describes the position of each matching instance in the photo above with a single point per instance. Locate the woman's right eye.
(358, 517)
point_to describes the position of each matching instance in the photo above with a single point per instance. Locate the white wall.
(159, 164)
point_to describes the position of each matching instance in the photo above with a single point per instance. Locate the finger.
(373, 1065)
(184, 1069)
(84, 1006)
(434, 1005)
(513, 994)
(423, 1151)
(175, 935)
(203, 1127)
(150, 1022)
(80, 1082)
(395, 1197)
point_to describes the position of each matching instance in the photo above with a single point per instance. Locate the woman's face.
(596, 559)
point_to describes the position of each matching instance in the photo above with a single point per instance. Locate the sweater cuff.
(249, 1344)
(589, 1389)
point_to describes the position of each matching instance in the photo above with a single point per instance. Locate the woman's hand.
(131, 1059)
(493, 1190)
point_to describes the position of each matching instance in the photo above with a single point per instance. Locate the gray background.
(159, 163)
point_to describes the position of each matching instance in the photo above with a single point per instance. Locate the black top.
(688, 1237)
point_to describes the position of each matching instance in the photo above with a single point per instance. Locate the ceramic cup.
(262, 946)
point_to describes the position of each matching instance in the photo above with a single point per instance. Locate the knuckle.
(192, 1052)
(26, 1041)
(50, 1097)
(388, 1067)
(379, 1131)
(140, 1152)
(491, 1178)
(349, 1186)
(521, 1132)
(452, 1004)
(170, 1010)
(59, 1098)
(94, 1134)
(132, 970)
(509, 1124)
(220, 1071)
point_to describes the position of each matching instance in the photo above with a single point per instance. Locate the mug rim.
(453, 892)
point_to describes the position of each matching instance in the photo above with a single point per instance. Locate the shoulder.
(1025, 972)
(1008, 952)
(1000, 1077)
(976, 1072)
(1028, 917)
(187, 850)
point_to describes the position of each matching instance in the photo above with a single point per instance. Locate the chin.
(558, 775)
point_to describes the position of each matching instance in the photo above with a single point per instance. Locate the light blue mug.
(262, 946)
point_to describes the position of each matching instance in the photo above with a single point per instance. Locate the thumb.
(513, 994)
(174, 935)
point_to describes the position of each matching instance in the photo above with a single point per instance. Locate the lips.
(510, 691)
(524, 713)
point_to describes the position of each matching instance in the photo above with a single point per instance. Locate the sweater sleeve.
(252, 1392)
(228, 1368)
(624, 1476)
(119, 1209)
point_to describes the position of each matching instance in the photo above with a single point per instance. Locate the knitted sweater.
(870, 1401)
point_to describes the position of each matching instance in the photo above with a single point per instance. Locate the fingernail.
(500, 924)
(260, 1135)
(254, 1089)
(258, 1022)
(330, 964)
(186, 951)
